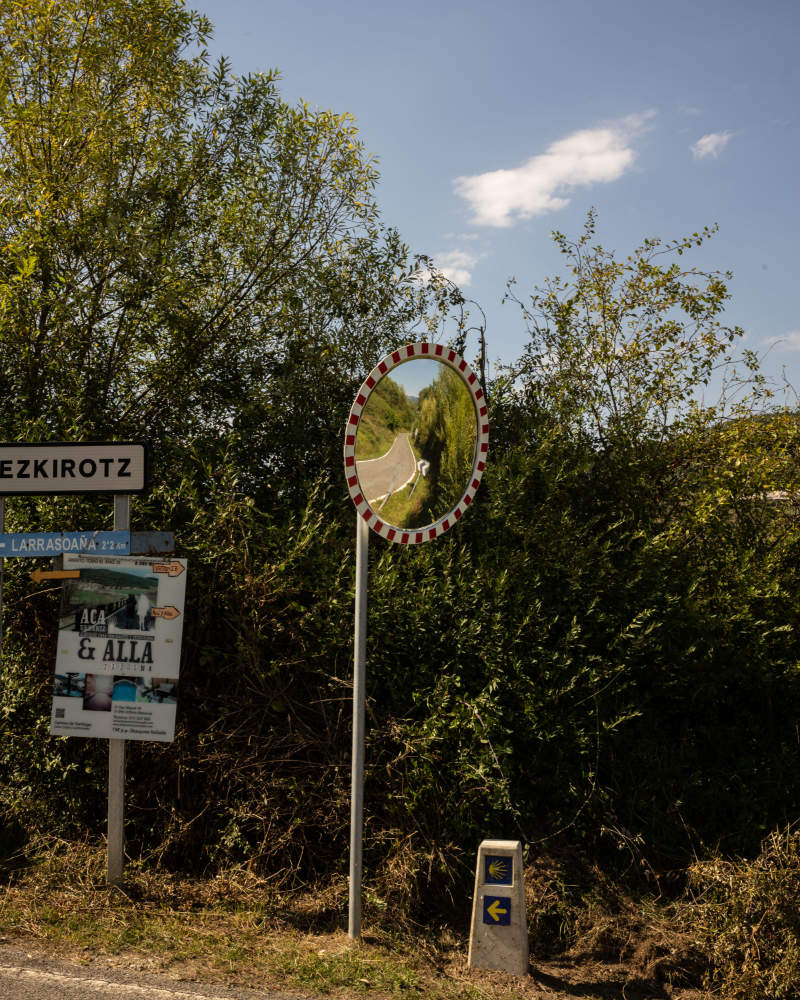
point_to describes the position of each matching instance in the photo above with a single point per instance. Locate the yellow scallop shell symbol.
(498, 869)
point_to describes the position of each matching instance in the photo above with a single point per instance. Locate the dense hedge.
(556, 666)
(604, 650)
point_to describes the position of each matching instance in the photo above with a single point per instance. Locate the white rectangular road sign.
(119, 647)
(57, 468)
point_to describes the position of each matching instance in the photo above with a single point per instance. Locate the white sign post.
(60, 468)
(391, 476)
(499, 933)
(118, 659)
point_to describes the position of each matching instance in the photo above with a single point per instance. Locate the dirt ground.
(553, 980)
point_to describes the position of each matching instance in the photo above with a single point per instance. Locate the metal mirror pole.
(115, 858)
(359, 698)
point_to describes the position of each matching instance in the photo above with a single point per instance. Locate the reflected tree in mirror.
(415, 445)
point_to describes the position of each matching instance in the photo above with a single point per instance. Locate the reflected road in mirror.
(379, 477)
(415, 443)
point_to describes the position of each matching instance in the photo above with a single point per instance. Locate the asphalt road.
(390, 472)
(25, 976)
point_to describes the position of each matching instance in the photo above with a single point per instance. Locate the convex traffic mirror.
(416, 443)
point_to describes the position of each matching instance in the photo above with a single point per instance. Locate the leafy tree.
(187, 259)
(619, 349)
(652, 575)
(388, 411)
(183, 252)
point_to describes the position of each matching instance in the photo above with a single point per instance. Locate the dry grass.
(747, 913)
(577, 912)
(235, 928)
(241, 929)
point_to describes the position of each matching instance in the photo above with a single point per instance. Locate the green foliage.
(387, 412)
(642, 526)
(447, 439)
(604, 649)
(188, 260)
(183, 252)
(618, 350)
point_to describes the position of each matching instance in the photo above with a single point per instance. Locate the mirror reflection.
(415, 443)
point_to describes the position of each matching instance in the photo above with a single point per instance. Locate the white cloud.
(790, 341)
(711, 144)
(457, 265)
(542, 184)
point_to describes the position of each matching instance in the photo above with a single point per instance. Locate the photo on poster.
(110, 600)
(97, 693)
(145, 691)
(69, 685)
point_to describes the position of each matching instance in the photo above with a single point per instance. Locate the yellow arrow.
(54, 574)
(495, 910)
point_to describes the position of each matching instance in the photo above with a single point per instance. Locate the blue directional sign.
(497, 910)
(40, 545)
(498, 870)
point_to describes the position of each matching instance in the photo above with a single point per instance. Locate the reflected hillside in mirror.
(415, 443)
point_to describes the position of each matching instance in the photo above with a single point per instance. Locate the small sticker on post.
(497, 910)
(498, 870)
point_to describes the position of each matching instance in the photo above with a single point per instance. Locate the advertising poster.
(119, 647)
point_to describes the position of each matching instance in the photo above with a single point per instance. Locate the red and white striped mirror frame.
(428, 351)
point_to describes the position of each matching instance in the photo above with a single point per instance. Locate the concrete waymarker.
(499, 935)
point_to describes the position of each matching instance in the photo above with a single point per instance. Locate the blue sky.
(494, 124)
